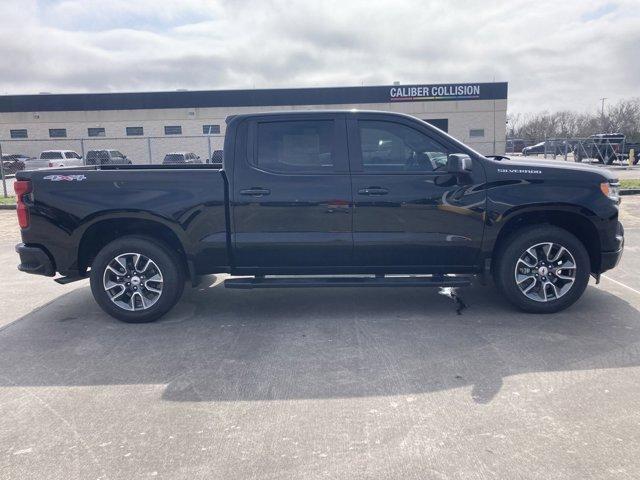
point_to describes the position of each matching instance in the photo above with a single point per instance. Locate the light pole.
(602, 108)
(602, 113)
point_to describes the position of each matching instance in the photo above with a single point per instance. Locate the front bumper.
(35, 260)
(610, 259)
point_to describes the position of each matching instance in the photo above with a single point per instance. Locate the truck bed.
(73, 207)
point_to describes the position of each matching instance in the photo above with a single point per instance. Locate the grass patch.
(7, 200)
(629, 183)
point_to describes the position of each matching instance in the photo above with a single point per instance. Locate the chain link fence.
(21, 154)
(608, 149)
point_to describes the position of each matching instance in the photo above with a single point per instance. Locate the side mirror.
(458, 163)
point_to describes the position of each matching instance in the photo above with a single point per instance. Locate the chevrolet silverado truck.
(316, 199)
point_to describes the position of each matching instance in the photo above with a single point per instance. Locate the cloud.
(555, 55)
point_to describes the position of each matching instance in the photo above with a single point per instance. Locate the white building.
(145, 126)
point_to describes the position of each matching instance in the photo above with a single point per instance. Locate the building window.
(57, 133)
(96, 132)
(134, 131)
(173, 130)
(476, 132)
(210, 129)
(441, 123)
(19, 133)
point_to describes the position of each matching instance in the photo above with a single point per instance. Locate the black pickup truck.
(331, 198)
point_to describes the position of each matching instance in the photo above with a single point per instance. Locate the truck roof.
(316, 111)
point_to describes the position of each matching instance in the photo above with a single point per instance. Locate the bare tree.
(622, 117)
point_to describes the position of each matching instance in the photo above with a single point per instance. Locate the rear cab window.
(295, 147)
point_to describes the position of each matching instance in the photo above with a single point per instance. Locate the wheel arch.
(572, 220)
(104, 230)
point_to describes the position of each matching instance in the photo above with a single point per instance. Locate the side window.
(303, 146)
(389, 147)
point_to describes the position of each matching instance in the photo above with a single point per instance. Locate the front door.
(292, 194)
(408, 211)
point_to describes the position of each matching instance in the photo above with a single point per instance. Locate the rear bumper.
(610, 259)
(35, 260)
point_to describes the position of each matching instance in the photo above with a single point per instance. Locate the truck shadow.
(225, 345)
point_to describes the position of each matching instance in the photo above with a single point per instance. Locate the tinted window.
(96, 132)
(295, 147)
(57, 132)
(19, 133)
(173, 130)
(210, 129)
(476, 132)
(174, 158)
(50, 155)
(395, 148)
(133, 131)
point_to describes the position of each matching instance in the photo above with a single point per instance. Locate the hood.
(559, 165)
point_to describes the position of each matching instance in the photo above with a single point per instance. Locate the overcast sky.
(554, 54)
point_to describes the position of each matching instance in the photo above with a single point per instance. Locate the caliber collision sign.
(415, 93)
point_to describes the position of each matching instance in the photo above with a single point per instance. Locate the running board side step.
(306, 282)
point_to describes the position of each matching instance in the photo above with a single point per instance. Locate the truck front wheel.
(136, 280)
(542, 269)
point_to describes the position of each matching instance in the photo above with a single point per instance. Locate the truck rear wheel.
(136, 280)
(543, 269)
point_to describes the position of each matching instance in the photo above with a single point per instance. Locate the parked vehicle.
(13, 162)
(604, 147)
(106, 157)
(181, 158)
(216, 158)
(515, 145)
(55, 158)
(304, 195)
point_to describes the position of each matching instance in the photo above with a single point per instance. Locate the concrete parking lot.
(327, 383)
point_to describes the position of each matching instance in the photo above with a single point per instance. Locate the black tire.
(166, 260)
(517, 243)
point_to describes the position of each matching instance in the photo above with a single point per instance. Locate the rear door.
(291, 198)
(408, 211)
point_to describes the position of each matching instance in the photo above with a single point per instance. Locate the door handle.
(373, 191)
(255, 192)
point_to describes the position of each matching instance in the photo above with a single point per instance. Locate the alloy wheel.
(133, 281)
(545, 272)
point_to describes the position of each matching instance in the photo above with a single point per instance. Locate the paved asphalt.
(326, 383)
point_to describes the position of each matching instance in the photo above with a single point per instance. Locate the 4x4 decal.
(65, 178)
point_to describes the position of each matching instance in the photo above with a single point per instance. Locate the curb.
(7, 207)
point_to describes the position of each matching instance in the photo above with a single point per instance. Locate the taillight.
(22, 188)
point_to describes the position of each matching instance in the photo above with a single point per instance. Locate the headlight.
(611, 190)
